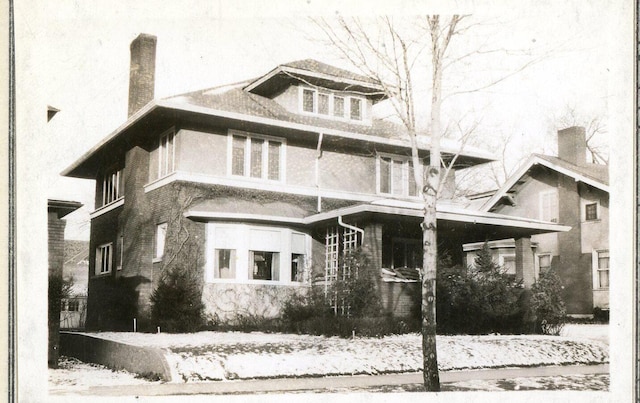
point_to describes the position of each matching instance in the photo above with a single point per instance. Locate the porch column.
(372, 244)
(525, 267)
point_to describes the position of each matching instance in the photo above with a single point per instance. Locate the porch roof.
(467, 225)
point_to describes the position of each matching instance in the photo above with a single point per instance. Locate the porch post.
(525, 268)
(372, 244)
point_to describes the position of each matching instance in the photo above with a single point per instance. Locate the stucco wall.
(354, 173)
(203, 153)
(230, 304)
(595, 234)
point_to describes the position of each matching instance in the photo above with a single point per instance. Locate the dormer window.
(331, 105)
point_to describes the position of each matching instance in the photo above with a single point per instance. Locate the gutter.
(317, 173)
(352, 227)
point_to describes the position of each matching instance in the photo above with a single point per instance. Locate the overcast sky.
(74, 55)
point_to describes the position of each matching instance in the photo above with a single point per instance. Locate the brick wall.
(56, 261)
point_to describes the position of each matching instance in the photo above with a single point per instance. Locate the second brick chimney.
(572, 145)
(142, 72)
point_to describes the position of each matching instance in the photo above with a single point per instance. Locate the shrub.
(478, 300)
(176, 304)
(547, 304)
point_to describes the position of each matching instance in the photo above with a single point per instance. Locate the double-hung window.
(166, 153)
(396, 176)
(257, 157)
(549, 205)
(111, 187)
(601, 269)
(104, 258)
(161, 235)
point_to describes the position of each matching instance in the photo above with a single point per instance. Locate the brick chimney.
(142, 72)
(572, 145)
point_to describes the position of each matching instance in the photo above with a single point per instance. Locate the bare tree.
(399, 56)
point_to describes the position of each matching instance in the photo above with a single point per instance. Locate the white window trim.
(121, 252)
(170, 170)
(501, 257)
(541, 196)
(157, 253)
(346, 117)
(405, 176)
(265, 156)
(242, 248)
(99, 249)
(595, 269)
(105, 209)
(583, 210)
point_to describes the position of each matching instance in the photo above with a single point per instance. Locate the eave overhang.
(62, 207)
(535, 160)
(163, 113)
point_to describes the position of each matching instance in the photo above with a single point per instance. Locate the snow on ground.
(73, 374)
(587, 331)
(235, 355)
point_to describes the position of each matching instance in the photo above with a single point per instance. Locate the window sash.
(355, 108)
(256, 157)
(591, 211)
(323, 104)
(308, 100)
(225, 264)
(338, 106)
(549, 206)
(104, 258)
(166, 154)
(396, 177)
(111, 187)
(161, 234)
(264, 265)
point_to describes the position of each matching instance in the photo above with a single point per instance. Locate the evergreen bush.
(547, 304)
(176, 304)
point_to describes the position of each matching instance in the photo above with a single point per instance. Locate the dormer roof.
(316, 74)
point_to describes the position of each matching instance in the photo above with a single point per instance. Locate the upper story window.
(549, 205)
(256, 156)
(591, 212)
(166, 153)
(332, 105)
(396, 176)
(111, 187)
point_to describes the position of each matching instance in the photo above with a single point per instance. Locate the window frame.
(111, 192)
(585, 215)
(238, 237)
(266, 156)
(331, 111)
(407, 170)
(171, 136)
(597, 269)
(99, 260)
(501, 259)
(158, 253)
(541, 201)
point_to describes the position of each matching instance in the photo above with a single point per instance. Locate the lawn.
(233, 355)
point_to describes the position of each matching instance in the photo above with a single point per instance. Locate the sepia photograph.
(349, 201)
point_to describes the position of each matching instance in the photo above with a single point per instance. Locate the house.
(73, 308)
(573, 192)
(56, 210)
(258, 188)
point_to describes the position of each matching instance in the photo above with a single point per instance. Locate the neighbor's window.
(256, 157)
(544, 262)
(104, 258)
(508, 263)
(396, 177)
(74, 305)
(591, 211)
(264, 265)
(161, 235)
(549, 206)
(111, 187)
(225, 263)
(602, 269)
(166, 154)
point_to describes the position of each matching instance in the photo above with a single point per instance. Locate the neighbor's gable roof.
(592, 175)
(315, 73)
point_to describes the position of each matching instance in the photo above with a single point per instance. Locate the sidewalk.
(328, 383)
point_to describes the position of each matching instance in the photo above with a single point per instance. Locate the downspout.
(318, 156)
(353, 227)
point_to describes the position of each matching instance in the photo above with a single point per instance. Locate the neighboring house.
(259, 188)
(572, 192)
(73, 309)
(56, 210)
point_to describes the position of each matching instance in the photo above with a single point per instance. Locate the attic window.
(329, 104)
